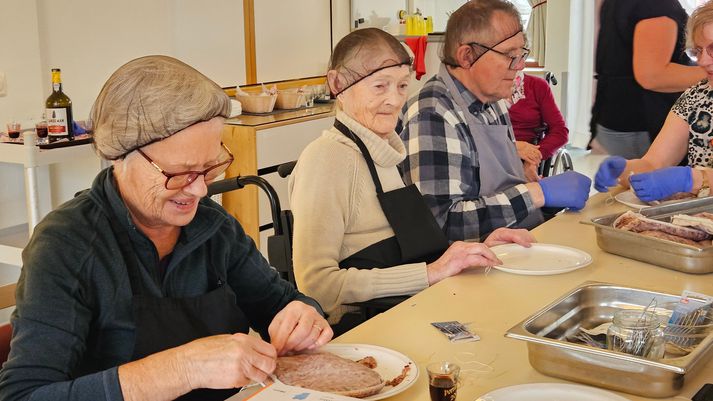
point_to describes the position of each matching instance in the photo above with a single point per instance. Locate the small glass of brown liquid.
(41, 130)
(13, 130)
(443, 380)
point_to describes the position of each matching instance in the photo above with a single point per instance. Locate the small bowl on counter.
(290, 99)
(257, 103)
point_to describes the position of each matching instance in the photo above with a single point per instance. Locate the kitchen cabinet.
(260, 144)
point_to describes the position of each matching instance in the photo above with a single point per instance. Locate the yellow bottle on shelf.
(429, 24)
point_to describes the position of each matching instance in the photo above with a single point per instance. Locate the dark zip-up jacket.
(73, 323)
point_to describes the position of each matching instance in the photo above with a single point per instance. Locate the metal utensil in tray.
(547, 333)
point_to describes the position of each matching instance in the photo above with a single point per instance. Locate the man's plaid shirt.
(443, 163)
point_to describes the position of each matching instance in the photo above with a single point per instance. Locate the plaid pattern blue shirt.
(443, 163)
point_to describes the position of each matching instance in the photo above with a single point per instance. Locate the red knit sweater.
(537, 107)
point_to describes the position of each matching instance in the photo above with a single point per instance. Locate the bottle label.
(57, 122)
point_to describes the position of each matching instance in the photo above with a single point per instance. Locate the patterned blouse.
(695, 106)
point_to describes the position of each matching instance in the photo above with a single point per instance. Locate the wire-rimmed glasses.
(695, 52)
(514, 60)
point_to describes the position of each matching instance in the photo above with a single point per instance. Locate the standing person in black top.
(641, 69)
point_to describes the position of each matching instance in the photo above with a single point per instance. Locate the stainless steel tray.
(589, 305)
(685, 258)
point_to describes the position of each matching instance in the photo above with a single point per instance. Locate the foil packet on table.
(455, 331)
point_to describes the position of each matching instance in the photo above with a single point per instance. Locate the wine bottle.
(59, 111)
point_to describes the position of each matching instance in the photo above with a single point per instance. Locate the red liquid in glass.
(41, 132)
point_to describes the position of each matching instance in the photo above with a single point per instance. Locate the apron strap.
(365, 152)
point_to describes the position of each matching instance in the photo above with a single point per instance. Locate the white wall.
(88, 40)
(557, 51)
(20, 61)
(291, 39)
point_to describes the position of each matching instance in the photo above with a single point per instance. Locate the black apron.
(417, 235)
(163, 323)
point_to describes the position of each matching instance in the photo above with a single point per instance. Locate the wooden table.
(497, 301)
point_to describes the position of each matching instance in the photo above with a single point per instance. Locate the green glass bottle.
(58, 111)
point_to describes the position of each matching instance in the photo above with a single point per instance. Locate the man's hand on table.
(504, 235)
(569, 189)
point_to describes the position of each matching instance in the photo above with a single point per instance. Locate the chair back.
(279, 245)
(7, 299)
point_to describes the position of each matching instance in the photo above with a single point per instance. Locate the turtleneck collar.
(386, 151)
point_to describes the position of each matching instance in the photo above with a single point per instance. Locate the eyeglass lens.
(695, 53)
(181, 180)
(516, 60)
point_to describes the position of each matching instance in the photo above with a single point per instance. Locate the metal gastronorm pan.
(588, 306)
(685, 258)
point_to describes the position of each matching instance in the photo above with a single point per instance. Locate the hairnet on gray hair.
(149, 99)
(354, 56)
(473, 22)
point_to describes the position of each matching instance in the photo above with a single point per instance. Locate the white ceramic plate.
(550, 392)
(540, 259)
(389, 365)
(630, 199)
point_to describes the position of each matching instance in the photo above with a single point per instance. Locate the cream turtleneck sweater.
(336, 211)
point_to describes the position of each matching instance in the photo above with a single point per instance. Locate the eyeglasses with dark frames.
(514, 60)
(695, 52)
(185, 178)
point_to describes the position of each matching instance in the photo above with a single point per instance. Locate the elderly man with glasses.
(141, 288)
(459, 138)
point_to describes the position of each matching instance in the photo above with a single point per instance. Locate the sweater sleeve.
(557, 133)
(47, 346)
(321, 191)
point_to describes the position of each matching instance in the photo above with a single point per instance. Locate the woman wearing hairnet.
(140, 288)
(360, 233)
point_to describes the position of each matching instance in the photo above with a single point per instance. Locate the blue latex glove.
(609, 171)
(661, 184)
(569, 189)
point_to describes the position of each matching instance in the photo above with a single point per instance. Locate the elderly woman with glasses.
(359, 232)
(687, 133)
(141, 288)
